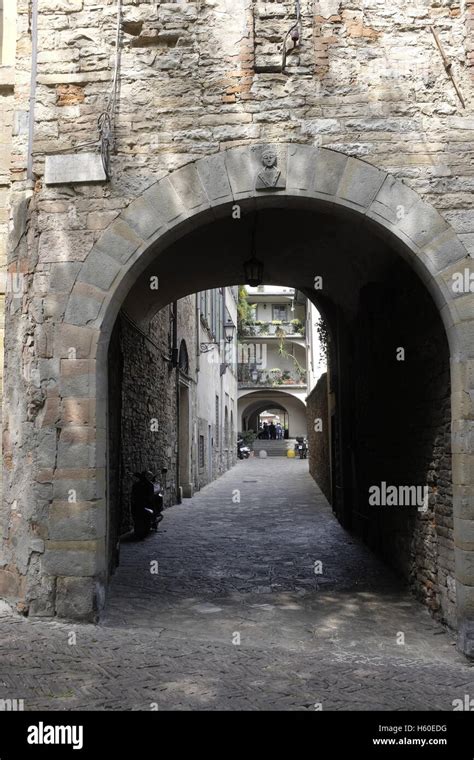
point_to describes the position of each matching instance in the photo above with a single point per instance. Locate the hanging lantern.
(253, 270)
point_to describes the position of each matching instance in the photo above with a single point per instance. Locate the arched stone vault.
(207, 190)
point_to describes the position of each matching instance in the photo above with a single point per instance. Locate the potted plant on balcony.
(274, 325)
(275, 375)
(264, 328)
(297, 326)
(301, 376)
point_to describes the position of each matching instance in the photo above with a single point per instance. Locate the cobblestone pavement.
(242, 570)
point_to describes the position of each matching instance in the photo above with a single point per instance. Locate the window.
(220, 315)
(183, 361)
(226, 428)
(217, 421)
(280, 312)
(214, 312)
(211, 303)
(201, 452)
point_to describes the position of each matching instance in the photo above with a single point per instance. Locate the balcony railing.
(295, 329)
(254, 377)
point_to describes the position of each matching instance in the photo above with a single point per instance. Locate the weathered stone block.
(63, 275)
(466, 633)
(81, 311)
(49, 415)
(330, 167)
(465, 566)
(165, 201)
(240, 171)
(78, 411)
(301, 167)
(72, 341)
(213, 176)
(64, 246)
(10, 584)
(68, 486)
(119, 241)
(445, 250)
(99, 269)
(75, 454)
(76, 558)
(461, 337)
(37, 545)
(187, 185)
(360, 182)
(76, 598)
(46, 453)
(422, 224)
(83, 520)
(77, 378)
(100, 220)
(144, 218)
(394, 200)
(464, 535)
(463, 502)
(69, 94)
(463, 469)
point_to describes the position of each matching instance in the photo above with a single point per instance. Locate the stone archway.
(254, 402)
(68, 578)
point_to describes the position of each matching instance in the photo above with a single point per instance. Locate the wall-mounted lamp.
(229, 329)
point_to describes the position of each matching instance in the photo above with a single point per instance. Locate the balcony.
(252, 377)
(275, 329)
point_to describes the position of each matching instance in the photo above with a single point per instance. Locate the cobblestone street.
(230, 572)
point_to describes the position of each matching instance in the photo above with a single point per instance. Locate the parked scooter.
(147, 503)
(243, 451)
(301, 447)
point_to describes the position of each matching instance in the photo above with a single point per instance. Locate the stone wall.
(363, 81)
(147, 392)
(143, 412)
(402, 419)
(6, 127)
(318, 439)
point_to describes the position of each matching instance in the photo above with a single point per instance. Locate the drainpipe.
(174, 354)
(198, 334)
(34, 67)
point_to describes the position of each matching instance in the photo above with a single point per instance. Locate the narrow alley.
(262, 603)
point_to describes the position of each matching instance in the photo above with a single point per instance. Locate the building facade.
(280, 358)
(172, 403)
(144, 139)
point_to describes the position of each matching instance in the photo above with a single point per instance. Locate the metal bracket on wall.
(295, 33)
(447, 65)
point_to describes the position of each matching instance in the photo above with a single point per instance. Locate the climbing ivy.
(245, 312)
(323, 335)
